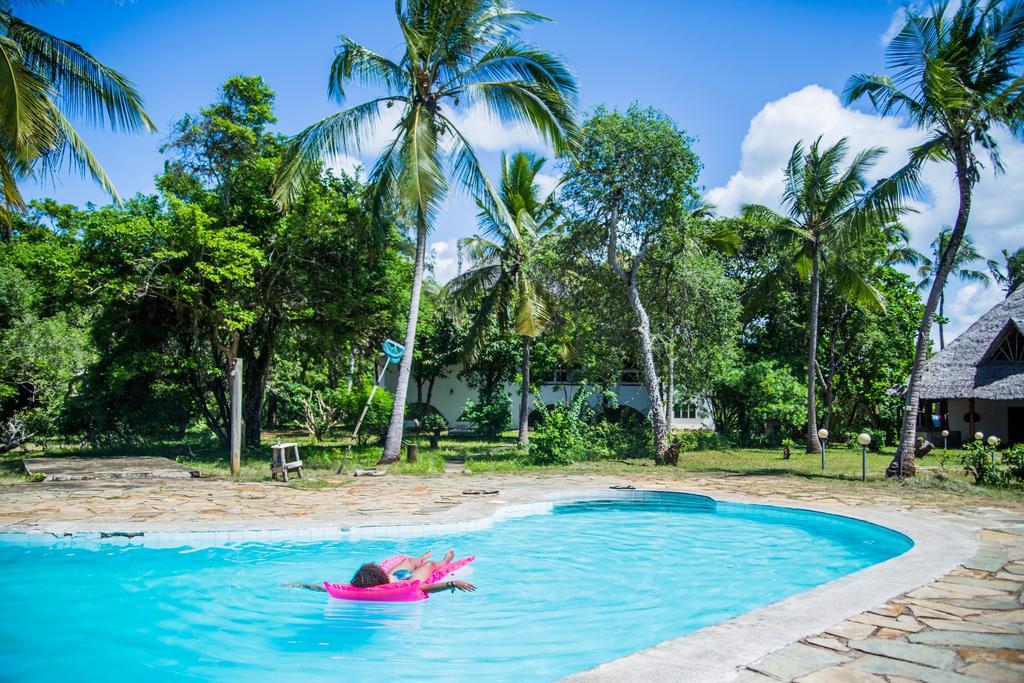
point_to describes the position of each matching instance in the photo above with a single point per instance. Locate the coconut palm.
(44, 82)
(827, 213)
(458, 54)
(960, 269)
(1010, 277)
(956, 75)
(504, 278)
(41, 74)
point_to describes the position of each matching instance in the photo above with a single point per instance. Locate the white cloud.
(487, 133)
(970, 302)
(443, 260)
(997, 218)
(896, 24)
(345, 164)
(546, 182)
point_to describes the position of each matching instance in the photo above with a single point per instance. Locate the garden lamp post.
(945, 439)
(864, 439)
(978, 436)
(823, 435)
(993, 441)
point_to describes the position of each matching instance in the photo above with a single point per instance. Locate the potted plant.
(434, 424)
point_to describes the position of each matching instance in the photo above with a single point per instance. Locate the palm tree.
(504, 274)
(960, 269)
(956, 76)
(1012, 277)
(827, 213)
(39, 75)
(457, 53)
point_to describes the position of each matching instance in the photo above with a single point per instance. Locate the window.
(932, 415)
(561, 376)
(630, 377)
(1009, 346)
(685, 411)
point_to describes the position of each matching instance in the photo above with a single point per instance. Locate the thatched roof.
(966, 369)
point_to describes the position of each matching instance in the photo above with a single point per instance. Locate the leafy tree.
(504, 272)
(956, 77)
(441, 343)
(44, 82)
(752, 396)
(1011, 276)
(628, 183)
(826, 215)
(960, 268)
(456, 53)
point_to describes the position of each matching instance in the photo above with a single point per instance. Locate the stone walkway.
(966, 626)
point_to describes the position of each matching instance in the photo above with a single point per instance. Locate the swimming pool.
(558, 593)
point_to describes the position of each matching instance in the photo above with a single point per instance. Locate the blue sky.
(746, 78)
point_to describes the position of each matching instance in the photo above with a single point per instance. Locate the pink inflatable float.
(399, 591)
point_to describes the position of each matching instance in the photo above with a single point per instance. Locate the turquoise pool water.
(558, 593)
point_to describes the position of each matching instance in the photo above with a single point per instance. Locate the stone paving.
(965, 626)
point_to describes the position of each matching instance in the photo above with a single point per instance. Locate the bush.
(609, 440)
(977, 461)
(560, 439)
(492, 415)
(878, 438)
(713, 441)
(1013, 462)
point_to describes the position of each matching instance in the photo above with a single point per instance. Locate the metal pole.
(236, 417)
(362, 414)
(824, 446)
(863, 463)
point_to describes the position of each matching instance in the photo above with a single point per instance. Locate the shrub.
(977, 461)
(714, 441)
(492, 414)
(878, 438)
(1013, 462)
(560, 439)
(608, 440)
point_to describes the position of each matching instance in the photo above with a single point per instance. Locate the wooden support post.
(236, 417)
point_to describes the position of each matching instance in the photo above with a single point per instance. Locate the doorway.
(1015, 424)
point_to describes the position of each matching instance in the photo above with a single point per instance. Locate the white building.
(450, 394)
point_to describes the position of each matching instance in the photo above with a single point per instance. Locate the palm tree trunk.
(942, 310)
(650, 374)
(524, 396)
(903, 463)
(813, 444)
(393, 442)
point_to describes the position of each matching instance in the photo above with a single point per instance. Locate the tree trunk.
(670, 393)
(524, 396)
(650, 374)
(351, 367)
(903, 463)
(813, 444)
(942, 311)
(393, 442)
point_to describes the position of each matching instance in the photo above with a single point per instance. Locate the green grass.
(500, 455)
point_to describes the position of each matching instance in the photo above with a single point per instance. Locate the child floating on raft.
(419, 574)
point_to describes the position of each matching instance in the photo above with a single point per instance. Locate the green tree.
(961, 269)
(826, 215)
(504, 272)
(956, 77)
(456, 53)
(44, 82)
(629, 182)
(1010, 276)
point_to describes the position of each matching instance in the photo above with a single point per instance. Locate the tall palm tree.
(956, 75)
(458, 53)
(504, 275)
(41, 74)
(960, 269)
(1012, 277)
(827, 214)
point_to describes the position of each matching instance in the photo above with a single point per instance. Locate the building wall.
(451, 393)
(992, 417)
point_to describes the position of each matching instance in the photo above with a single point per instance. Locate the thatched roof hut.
(985, 362)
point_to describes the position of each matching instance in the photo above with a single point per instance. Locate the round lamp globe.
(822, 433)
(864, 439)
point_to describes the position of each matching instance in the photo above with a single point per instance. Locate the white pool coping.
(942, 541)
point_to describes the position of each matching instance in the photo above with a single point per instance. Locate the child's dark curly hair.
(370, 575)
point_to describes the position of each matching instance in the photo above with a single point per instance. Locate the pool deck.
(950, 609)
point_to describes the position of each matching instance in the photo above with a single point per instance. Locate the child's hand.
(463, 586)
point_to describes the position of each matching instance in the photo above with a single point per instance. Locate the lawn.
(938, 473)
